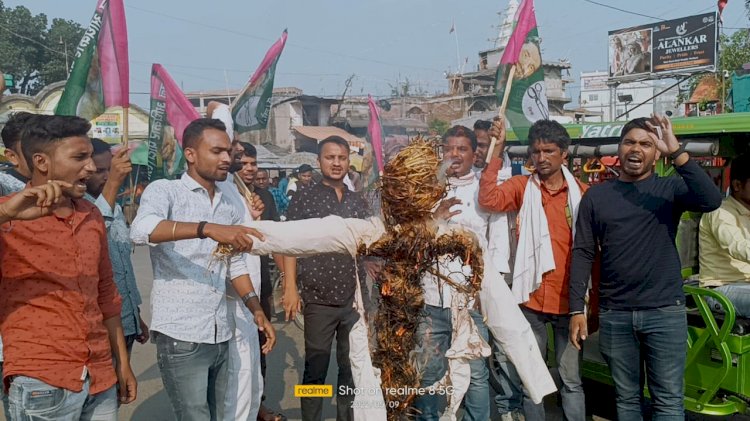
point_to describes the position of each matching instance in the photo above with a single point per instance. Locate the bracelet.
(201, 226)
(574, 313)
(174, 227)
(247, 297)
(674, 155)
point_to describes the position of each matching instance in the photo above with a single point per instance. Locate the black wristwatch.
(678, 152)
(201, 226)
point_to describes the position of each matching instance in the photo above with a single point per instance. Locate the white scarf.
(534, 256)
(463, 180)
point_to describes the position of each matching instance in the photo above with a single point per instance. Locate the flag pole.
(125, 114)
(133, 181)
(501, 110)
(458, 53)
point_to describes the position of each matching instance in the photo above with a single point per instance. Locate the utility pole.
(65, 47)
(347, 85)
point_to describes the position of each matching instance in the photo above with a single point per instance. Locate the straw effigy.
(410, 191)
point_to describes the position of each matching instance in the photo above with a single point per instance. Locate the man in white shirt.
(183, 222)
(460, 208)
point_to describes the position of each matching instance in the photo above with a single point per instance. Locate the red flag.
(722, 4)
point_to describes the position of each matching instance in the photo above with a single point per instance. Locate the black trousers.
(322, 323)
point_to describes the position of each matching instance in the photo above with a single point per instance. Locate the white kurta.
(504, 319)
(245, 385)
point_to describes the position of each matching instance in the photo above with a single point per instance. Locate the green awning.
(683, 126)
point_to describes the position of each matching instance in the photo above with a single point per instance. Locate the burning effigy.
(386, 363)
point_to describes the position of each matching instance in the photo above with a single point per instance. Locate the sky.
(217, 44)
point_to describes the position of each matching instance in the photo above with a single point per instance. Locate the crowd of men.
(69, 302)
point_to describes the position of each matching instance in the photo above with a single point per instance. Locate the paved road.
(285, 366)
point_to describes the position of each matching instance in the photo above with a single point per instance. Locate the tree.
(33, 52)
(734, 51)
(438, 127)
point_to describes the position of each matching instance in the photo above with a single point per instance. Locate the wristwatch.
(678, 152)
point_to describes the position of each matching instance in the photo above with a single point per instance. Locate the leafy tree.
(32, 51)
(438, 127)
(734, 51)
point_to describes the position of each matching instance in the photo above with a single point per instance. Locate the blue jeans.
(195, 377)
(32, 399)
(436, 327)
(510, 397)
(568, 360)
(6, 403)
(738, 293)
(656, 337)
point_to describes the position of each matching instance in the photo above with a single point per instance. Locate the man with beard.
(182, 220)
(327, 282)
(59, 306)
(633, 221)
(436, 327)
(547, 203)
(101, 190)
(248, 176)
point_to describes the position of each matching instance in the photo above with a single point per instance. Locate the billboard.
(684, 45)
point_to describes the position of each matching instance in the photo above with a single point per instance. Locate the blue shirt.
(120, 251)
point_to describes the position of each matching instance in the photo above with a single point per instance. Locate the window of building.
(593, 97)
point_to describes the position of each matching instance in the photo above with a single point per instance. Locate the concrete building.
(108, 126)
(599, 97)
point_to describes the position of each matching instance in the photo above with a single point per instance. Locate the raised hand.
(257, 207)
(121, 166)
(443, 210)
(34, 202)
(663, 135)
(497, 131)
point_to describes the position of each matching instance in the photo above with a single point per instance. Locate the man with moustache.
(327, 282)
(59, 306)
(482, 133)
(183, 222)
(436, 327)
(633, 221)
(547, 203)
(247, 175)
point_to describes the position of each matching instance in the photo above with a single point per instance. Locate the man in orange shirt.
(547, 204)
(59, 306)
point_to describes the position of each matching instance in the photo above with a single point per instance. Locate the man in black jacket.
(633, 221)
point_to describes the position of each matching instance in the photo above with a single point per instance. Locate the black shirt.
(329, 278)
(270, 213)
(635, 224)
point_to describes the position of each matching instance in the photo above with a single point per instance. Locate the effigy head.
(410, 186)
